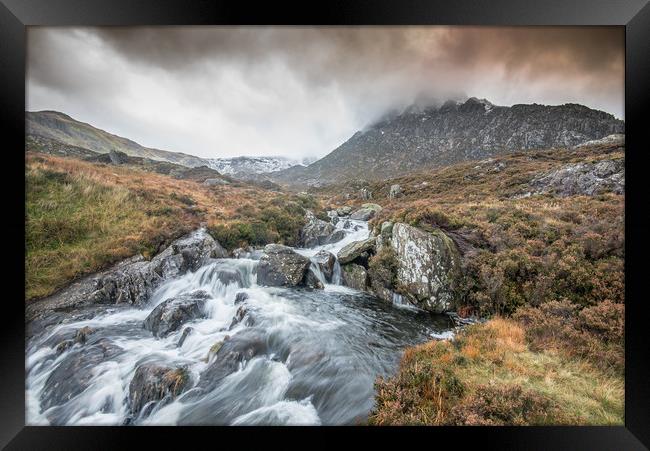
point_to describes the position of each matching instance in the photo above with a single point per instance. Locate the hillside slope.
(455, 132)
(61, 128)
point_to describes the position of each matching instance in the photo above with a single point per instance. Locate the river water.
(324, 350)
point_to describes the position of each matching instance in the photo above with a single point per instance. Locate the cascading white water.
(323, 351)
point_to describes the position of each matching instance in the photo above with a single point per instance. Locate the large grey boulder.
(171, 314)
(315, 232)
(356, 249)
(154, 383)
(395, 191)
(281, 266)
(354, 276)
(582, 179)
(133, 280)
(428, 265)
(344, 211)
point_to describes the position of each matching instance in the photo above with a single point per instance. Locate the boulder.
(312, 280)
(325, 262)
(386, 230)
(82, 334)
(117, 157)
(366, 212)
(335, 237)
(582, 179)
(347, 224)
(395, 191)
(354, 276)
(315, 232)
(172, 313)
(214, 182)
(281, 266)
(344, 211)
(365, 194)
(153, 383)
(240, 297)
(354, 250)
(428, 265)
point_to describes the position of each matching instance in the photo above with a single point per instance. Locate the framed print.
(416, 214)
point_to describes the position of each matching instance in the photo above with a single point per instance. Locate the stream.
(323, 351)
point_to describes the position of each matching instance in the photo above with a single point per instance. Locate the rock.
(133, 280)
(117, 157)
(153, 383)
(347, 224)
(428, 265)
(172, 313)
(581, 179)
(82, 334)
(315, 232)
(365, 194)
(214, 182)
(186, 333)
(354, 276)
(63, 346)
(386, 230)
(355, 249)
(344, 211)
(281, 266)
(366, 212)
(335, 237)
(325, 262)
(240, 297)
(73, 375)
(241, 347)
(243, 314)
(334, 220)
(312, 280)
(395, 191)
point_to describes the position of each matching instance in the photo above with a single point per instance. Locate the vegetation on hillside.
(82, 216)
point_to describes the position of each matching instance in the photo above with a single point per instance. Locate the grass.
(490, 376)
(82, 217)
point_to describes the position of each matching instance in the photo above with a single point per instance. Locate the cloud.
(302, 91)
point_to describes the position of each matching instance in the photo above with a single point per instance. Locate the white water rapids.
(325, 348)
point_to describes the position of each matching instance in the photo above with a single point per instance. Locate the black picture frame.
(634, 15)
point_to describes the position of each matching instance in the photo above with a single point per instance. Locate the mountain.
(57, 128)
(439, 136)
(244, 167)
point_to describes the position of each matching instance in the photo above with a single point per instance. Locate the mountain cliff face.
(454, 132)
(53, 126)
(245, 167)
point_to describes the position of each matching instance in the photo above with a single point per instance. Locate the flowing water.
(324, 350)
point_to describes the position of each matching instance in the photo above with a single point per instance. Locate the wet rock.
(281, 266)
(325, 261)
(73, 375)
(347, 224)
(315, 232)
(82, 334)
(428, 266)
(63, 346)
(186, 333)
(335, 237)
(241, 347)
(366, 212)
(356, 249)
(154, 383)
(133, 280)
(172, 313)
(244, 315)
(240, 297)
(354, 276)
(312, 280)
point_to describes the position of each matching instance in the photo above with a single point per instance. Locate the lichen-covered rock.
(365, 194)
(153, 383)
(427, 267)
(395, 191)
(172, 313)
(581, 179)
(354, 276)
(281, 266)
(344, 211)
(354, 250)
(315, 232)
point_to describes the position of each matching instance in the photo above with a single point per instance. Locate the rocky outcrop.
(428, 265)
(354, 276)
(395, 191)
(581, 179)
(281, 266)
(365, 194)
(215, 182)
(171, 314)
(132, 281)
(355, 250)
(153, 384)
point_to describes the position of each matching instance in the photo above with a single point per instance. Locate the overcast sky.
(301, 92)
